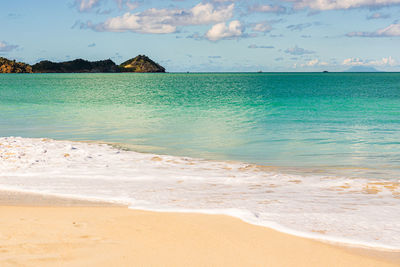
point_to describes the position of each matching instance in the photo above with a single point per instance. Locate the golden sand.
(118, 236)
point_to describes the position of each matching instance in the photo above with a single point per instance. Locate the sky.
(209, 35)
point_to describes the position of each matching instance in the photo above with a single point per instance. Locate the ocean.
(313, 154)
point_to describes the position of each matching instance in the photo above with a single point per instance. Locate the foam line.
(339, 209)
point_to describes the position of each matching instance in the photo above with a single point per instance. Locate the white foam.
(336, 209)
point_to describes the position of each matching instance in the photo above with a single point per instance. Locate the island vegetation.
(140, 63)
(11, 66)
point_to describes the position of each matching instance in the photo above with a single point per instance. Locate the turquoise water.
(333, 141)
(333, 122)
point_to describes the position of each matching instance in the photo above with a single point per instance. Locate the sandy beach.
(200, 133)
(47, 231)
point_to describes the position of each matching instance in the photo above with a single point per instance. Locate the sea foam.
(356, 211)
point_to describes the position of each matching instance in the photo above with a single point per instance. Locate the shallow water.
(279, 119)
(312, 153)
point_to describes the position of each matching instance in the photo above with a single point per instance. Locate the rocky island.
(74, 66)
(11, 66)
(141, 64)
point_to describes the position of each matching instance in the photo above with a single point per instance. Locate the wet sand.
(49, 231)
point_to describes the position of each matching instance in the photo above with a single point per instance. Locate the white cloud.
(5, 47)
(86, 5)
(392, 30)
(298, 51)
(262, 27)
(378, 15)
(206, 13)
(166, 20)
(131, 5)
(254, 46)
(340, 4)
(302, 26)
(150, 23)
(222, 31)
(314, 62)
(267, 9)
(386, 61)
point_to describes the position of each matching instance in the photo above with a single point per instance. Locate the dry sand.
(101, 235)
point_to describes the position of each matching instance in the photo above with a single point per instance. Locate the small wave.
(359, 211)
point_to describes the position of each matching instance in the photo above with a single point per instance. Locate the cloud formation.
(5, 47)
(314, 62)
(254, 46)
(302, 26)
(261, 27)
(132, 5)
(160, 21)
(298, 51)
(86, 5)
(267, 9)
(393, 30)
(223, 31)
(386, 61)
(340, 4)
(378, 15)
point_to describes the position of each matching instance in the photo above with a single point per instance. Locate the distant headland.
(141, 64)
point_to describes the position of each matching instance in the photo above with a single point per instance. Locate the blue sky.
(214, 35)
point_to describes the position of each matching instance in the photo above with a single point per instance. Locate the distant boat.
(325, 71)
(260, 71)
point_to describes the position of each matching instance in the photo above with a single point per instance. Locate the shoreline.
(13, 198)
(165, 232)
(21, 198)
(73, 153)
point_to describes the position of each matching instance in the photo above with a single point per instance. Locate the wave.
(356, 211)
